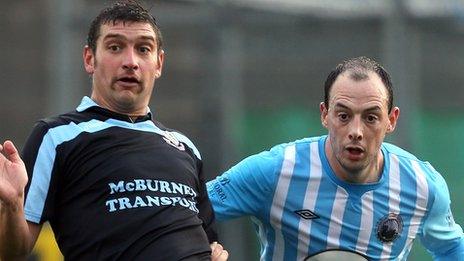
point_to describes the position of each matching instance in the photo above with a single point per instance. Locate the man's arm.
(206, 213)
(442, 237)
(17, 236)
(245, 189)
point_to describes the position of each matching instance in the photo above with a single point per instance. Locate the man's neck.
(370, 174)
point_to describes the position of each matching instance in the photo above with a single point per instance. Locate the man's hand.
(218, 253)
(13, 176)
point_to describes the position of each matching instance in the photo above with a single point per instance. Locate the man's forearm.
(14, 233)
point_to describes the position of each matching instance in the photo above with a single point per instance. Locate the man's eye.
(144, 49)
(343, 116)
(371, 118)
(114, 48)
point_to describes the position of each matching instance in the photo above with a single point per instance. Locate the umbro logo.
(306, 214)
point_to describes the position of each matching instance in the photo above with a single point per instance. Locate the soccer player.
(113, 183)
(347, 194)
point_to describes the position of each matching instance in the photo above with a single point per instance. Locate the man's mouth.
(355, 150)
(128, 80)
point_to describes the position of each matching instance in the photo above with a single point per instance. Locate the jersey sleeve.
(206, 213)
(38, 157)
(441, 236)
(245, 189)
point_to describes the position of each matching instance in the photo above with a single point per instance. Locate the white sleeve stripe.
(393, 196)
(312, 190)
(367, 223)
(278, 202)
(422, 192)
(336, 219)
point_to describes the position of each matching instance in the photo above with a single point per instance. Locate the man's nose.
(130, 61)
(356, 129)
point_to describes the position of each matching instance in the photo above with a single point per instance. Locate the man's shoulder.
(163, 127)
(279, 152)
(51, 122)
(299, 143)
(415, 164)
(389, 149)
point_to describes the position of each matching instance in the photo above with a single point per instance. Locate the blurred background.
(243, 75)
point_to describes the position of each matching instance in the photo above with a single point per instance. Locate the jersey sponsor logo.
(217, 187)
(223, 180)
(306, 214)
(173, 141)
(389, 227)
(150, 193)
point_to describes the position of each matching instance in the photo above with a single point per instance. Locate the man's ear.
(89, 60)
(324, 112)
(393, 119)
(159, 68)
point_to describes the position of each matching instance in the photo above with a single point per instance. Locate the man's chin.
(354, 167)
(127, 103)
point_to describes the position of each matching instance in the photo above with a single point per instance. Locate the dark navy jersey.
(113, 189)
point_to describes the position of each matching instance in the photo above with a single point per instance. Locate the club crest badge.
(389, 228)
(173, 141)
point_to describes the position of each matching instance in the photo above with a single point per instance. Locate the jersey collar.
(352, 188)
(87, 103)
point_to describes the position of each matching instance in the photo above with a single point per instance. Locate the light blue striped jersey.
(302, 208)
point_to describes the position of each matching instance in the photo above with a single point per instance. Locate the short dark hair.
(359, 67)
(124, 11)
